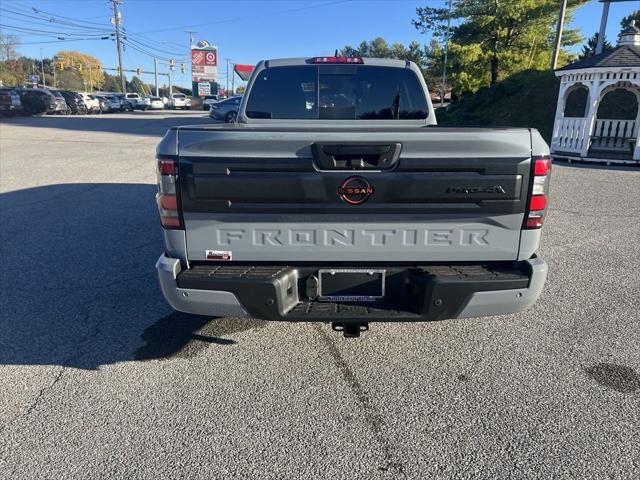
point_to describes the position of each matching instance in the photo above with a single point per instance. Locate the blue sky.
(244, 30)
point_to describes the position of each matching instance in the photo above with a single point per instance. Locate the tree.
(632, 19)
(111, 83)
(87, 67)
(69, 80)
(8, 47)
(490, 40)
(136, 86)
(589, 48)
(11, 73)
(379, 48)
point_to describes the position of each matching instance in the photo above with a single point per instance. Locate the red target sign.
(210, 58)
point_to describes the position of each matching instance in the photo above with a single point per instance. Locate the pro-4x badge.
(471, 190)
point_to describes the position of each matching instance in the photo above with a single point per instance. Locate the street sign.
(34, 78)
(204, 88)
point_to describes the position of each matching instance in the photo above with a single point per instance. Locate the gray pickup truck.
(334, 197)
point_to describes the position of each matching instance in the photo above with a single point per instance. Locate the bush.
(526, 99)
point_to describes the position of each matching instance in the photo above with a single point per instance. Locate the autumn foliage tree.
(86, 67)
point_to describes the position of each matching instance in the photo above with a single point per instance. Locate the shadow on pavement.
(79, 287)
(181, 335)
(138, 123)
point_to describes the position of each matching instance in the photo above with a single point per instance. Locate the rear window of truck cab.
(337, 92)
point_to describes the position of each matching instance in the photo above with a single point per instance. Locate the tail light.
(538, 200)
(335, 60)
(167, 197)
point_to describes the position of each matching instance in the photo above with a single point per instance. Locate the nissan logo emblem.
(355, 190)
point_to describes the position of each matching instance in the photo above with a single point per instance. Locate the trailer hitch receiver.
(350, 329)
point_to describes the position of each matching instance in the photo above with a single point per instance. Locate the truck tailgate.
(262, 194)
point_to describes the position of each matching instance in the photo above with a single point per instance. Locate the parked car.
(156, 103)
(104, 103)
(91, 102)
(75, 102)
(126, 105)
(10, 103)
(61, 105)
(179, 100)
(226, 109)
(113, 102)
(209, 100)
(37, 101)
(382, 217)
(138, 101)
(146, 100)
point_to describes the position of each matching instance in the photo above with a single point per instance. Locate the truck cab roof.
(381, 62)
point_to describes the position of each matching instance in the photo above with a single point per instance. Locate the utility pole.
(226, 88)
(233, 79)
(603, 27)
(116, 22)
(44, 81)
(188, 62)
(155, 75)
(446, 54)
(556, 49)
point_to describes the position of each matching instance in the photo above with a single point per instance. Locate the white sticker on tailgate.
(218, 254)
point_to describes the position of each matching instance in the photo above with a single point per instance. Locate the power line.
(50, 20)
(71, 18)
(308, 7)
(46, 32)
(60, 41)
(127, 36)
(132, 37)
(145, 52)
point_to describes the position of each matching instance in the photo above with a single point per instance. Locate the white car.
(156, 103)
(91, 102)
(179, 100)
(138, 102)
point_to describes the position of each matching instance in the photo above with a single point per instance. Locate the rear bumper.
(415, 293)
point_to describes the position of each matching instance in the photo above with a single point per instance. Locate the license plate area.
(351, 285)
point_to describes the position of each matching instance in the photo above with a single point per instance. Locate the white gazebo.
(598, 112)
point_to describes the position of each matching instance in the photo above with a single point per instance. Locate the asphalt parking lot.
(99, 378)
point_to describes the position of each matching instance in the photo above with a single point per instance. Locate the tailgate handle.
(356, 156)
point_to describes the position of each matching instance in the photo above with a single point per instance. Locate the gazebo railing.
(569, 135)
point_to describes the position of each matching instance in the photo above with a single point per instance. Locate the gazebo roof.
(621, 56)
